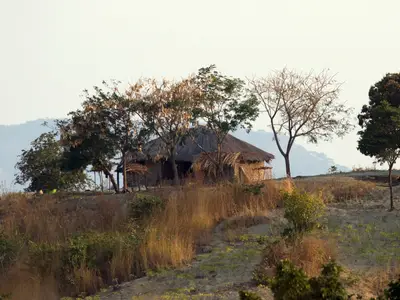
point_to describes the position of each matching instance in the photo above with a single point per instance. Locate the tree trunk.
(101, 181)
(172, 160)
(112, 179)
(391, 187)
(220, 167)
(125, 179)
(287, 164)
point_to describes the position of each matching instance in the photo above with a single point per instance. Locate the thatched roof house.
(194, 157)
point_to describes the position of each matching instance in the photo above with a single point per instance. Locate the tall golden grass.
(337, 189)
(190, 215)
(170, 237)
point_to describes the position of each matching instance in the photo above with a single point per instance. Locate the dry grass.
(309, 253)
(337, 189)
(191, 214)
(375, 281)
(168, 239)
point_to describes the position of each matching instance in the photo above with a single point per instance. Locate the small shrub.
(8, 252)
(391, 293)
(246, 295)
(43, 257)
(290, 282)
(302, 210)
(255, 189)
(5, 296)
(309, 254)
(328, 285)
(95, 250)
(144, 205)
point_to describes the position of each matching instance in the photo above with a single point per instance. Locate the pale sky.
(52, 49)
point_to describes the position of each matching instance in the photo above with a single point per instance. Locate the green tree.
(224, 105)
(165, 108)
(302, 105)
(380, 135)
(103, 130)
(41, 166)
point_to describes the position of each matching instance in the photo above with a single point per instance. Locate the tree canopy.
(224, 105)
(104, 129)
(165, 109)
(380, 124)
(41, 166)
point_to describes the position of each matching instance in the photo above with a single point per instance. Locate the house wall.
(243, 172)
(250, 172)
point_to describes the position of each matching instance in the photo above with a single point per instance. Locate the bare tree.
(302, 105)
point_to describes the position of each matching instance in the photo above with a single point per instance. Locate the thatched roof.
(137, 169)
(190, 150)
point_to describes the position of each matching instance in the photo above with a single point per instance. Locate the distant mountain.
(14, 138)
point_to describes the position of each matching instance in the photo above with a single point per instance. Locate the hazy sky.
(53, 49)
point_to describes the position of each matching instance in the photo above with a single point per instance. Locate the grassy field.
(193, 240)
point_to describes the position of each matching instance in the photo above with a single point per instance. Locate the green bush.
(144, 205)
(92, 250)
(8, 252)
(302, 210)
(43, 257)
(290, 282)
(95, 250)
(255, 189)
(391, 293)
(246, 295)
(328, 285)
(5, 296)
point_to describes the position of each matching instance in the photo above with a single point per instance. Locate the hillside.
(17, 137)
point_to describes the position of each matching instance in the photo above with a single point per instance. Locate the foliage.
(385, 90)
(103, 129)
(41, 166)
(224, 105)
(328, 284)
(393, 290)
(246, 295)
(302, 210)
(380, 123)
(144, 205)
(255, 189)
(302, 105)
(290, 283)
(333, 169)
(165, 108)
(95, 250)
(380, 136)
(92, 250)
(8, 252)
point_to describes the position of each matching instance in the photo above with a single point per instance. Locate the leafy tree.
(380, 136)
(103, 129)
(41, 166)
(302, 105)
(224, 105)
(165, 109)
